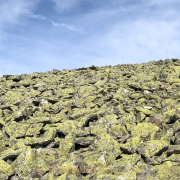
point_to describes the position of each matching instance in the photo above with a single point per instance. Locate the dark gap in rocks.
(10, 158)
(6, 135)
(172, 142)
(41, 92)
(125, 151)
(67, 98)
(18, 119)
(72, 107)
(10, 177)
(41, 144)
(107, 100)
(16, 80)
(40, 134)
(26, 85)
(124, 141)
(131, 98)
(79, 146)
(1, 126)
(92, 135)
(60, 135)
(56, 146)
(161, 151)
(134, 88)
(118, 157)
(21, 137)
(46, 122)
(35, 88)
(42, 131)
(46, 172)
(66, 112)
(143, 158)
(12, 87)
(9, 108)
(52, 101)
(137, 152)
(90, 118)
(84, 174)
(169, 154)
(173, 119)
(127, 129)
(36, 102)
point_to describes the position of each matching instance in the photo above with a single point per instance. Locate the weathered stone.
(98, 123)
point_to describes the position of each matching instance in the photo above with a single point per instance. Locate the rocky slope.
(98, 123)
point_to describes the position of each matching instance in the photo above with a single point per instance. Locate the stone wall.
(110, 122)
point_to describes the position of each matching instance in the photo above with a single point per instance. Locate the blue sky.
(40, 35)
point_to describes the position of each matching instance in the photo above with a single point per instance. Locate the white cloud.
(36, 16)
(11, 10)
(70, 27)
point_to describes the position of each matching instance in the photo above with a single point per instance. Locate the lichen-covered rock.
(98, 123)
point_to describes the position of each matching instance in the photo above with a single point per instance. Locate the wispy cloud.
(11, 10)
(30, 14)
(70, 27)
(40, 17)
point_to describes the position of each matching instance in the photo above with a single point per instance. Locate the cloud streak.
(70, 27)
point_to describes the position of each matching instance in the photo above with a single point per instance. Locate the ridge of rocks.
(97, 123)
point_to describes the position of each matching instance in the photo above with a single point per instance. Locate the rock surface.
(98, 123)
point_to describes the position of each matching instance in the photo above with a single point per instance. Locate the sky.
(42, 35)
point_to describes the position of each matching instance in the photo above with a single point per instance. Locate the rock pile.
(98, 123)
